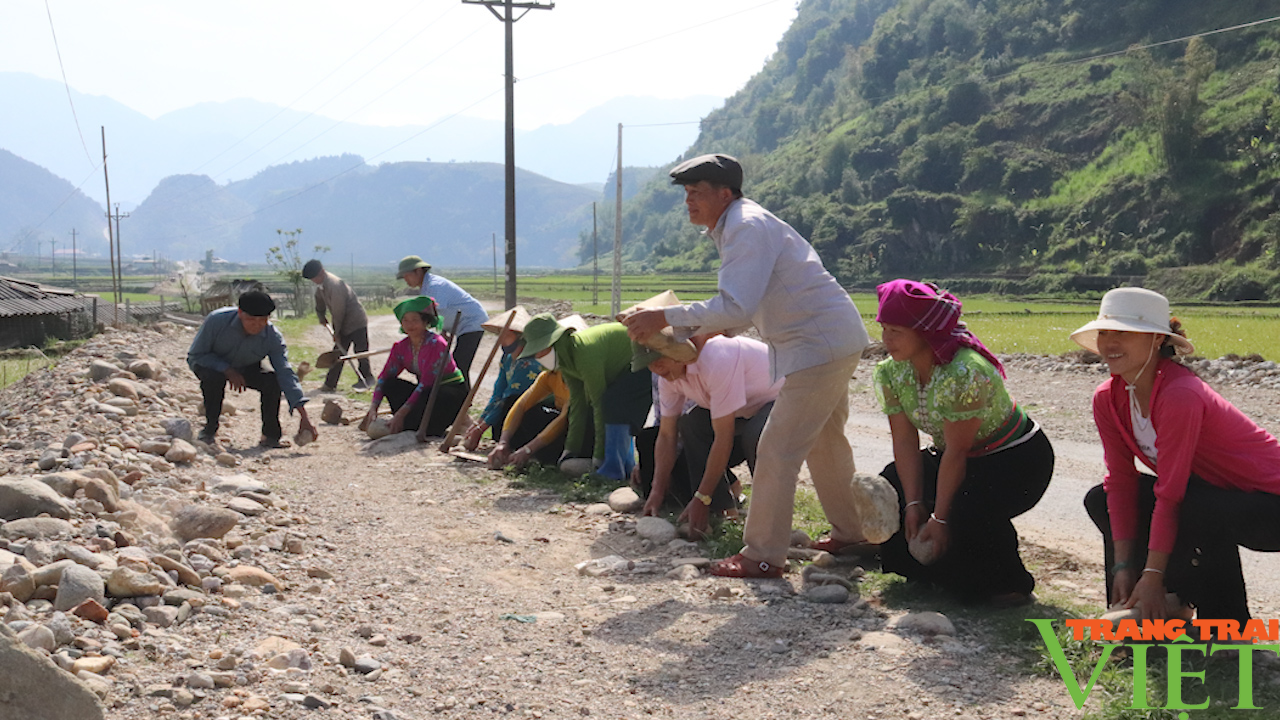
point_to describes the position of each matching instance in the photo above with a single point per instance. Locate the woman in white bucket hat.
(1214, 474)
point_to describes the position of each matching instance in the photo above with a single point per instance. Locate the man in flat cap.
(450, 299)
(228, 349)
(770, 277)
(350, 326)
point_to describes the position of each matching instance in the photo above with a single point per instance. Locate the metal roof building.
(30, 313)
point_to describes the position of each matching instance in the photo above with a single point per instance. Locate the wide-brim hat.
(519, 317)
(574, 322)
(1131, 310)
(541, 332)
(664, 341)
(410, 263)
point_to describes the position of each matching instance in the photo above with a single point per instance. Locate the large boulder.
(26, 498)
(32, 687)
(877, 505)
(38, 528)
(196, 521)
(125, 583)
(77, 584)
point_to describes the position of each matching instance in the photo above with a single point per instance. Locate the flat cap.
(717, 169)
(257, 303)
(311, 269)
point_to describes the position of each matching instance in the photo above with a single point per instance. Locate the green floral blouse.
(967, 387)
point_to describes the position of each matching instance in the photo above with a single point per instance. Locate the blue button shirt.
(222, 343)
(450, 299)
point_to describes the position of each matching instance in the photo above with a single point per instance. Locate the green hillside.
(1021, 145)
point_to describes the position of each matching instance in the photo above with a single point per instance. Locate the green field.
(1006, 325)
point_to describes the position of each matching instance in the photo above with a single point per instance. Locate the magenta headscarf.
(933, 313)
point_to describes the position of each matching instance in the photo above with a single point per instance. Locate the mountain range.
(236, 139)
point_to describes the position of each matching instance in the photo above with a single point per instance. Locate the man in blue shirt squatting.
(228, 349)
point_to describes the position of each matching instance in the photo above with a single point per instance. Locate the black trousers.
(360, 340)
(627, 399)
(449, 401)
(535, 420)
(982, 552)
(1213, 522)
(697, 434)
(464, 351)
(213, 388)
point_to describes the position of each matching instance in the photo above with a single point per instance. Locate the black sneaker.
(208, 438)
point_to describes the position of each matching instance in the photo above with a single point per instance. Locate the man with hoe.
(350, 324)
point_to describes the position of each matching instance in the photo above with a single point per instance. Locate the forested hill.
(1040, 142)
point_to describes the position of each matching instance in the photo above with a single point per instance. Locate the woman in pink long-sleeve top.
(422, 353)
(1214, 481)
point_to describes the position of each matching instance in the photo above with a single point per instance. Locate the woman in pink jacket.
(1214, 475)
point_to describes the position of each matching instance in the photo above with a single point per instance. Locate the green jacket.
(589, 360)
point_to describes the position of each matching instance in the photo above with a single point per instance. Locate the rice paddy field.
(1007, 325)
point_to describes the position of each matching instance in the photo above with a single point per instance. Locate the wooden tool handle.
(435, 382)
(452, 436)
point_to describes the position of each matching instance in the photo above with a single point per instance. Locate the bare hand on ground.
(938, 533)
(235, 379)
(699, 517)
(471, 440)
(498, 456)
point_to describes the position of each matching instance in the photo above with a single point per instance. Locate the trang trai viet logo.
(1140, 636)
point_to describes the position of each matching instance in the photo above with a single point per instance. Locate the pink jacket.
(1197, 432)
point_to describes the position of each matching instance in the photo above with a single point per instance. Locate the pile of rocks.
(116, 533)
(1227, 370)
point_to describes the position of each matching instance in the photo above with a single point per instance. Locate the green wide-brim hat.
(541, 332)
(412, 262)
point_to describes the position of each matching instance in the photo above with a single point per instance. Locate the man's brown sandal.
(861, 548)
(741, 566)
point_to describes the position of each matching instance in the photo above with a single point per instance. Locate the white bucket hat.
(1131, 310)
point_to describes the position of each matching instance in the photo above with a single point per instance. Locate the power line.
(317, 84)
(673, 33)
(360, 109)
(63, 69)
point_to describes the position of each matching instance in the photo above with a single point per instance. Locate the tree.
(287, 262)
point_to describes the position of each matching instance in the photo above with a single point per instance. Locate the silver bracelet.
(1154, 570)
(915, 502)
(937, 519)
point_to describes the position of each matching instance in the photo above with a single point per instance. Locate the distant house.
(224, 293)
(31, 313)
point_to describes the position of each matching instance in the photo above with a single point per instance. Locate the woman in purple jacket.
(1214, 481)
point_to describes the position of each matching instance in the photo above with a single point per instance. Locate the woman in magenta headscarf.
(988, 464)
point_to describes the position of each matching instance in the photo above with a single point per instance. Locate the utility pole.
(119, 270)
(75, 282)
(53, 257)
(495, 262)
(111, 243)
(595, 260)
(508, 19)
(617, 233)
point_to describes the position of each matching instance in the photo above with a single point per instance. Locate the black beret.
(716, 169)
(257, 303)
(311, 269)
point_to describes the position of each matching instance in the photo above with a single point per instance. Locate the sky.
(392, 62)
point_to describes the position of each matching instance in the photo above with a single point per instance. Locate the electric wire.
(62, 68)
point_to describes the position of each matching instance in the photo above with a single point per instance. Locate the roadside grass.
(589, 488)
(14, 368)
(1006, 325)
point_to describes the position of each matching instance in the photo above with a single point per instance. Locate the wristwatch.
(704, 499)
